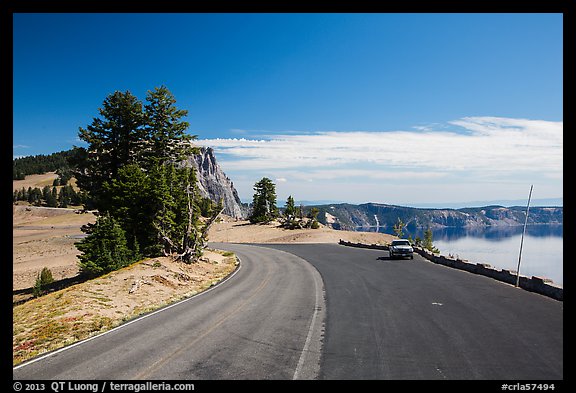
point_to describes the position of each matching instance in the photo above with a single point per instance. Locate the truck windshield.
(401, 243)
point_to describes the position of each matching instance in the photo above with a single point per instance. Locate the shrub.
(44, 278)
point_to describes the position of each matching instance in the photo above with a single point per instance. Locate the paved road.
(384, 319)
(263, 323)
(413, 319)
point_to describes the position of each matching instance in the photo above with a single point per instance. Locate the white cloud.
(356, 175)
(473, 158)
(481, 144)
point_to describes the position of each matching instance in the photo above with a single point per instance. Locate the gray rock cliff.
(214, 184)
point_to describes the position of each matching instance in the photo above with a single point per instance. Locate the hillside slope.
(352, 217)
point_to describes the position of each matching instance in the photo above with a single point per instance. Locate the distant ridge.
(542, 202)
(351, 217)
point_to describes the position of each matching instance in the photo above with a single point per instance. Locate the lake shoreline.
(542, 253)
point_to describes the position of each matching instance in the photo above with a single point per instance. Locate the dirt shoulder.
(83, 310)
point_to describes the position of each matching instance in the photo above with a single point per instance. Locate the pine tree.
(313, 215)
(128, 201)
(35, 196)
(290, 209)
(45, 192)
(43, 279)
(178, 221)
(104, 249)
(428, 243)
(264, 202)
(166, 219)
(166, 139)
(30, 195)
(114, 140)
(63, 197)
(52, 198)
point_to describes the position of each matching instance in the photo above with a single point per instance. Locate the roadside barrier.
(535, 284)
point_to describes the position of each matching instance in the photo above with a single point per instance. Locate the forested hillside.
(39, 164)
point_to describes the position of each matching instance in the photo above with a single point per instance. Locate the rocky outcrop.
(214, 184)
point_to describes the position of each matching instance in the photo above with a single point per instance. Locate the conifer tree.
(290, 209)
(43, 279)
(166, 139)
(45, 192)
(264, 202)
(114, 139)
(428, 242)
(128, 201)
(105, 249)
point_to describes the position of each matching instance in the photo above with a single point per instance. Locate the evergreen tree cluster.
(49, 196)
(148, 203)
(296, 217)
(39, 164)
(264, 209)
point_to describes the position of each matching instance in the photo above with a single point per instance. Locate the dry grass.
(81, 311)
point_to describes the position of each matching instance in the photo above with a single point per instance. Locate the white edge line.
(129, 322)
(310, 330)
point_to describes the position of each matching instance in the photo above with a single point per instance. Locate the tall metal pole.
(522, 239)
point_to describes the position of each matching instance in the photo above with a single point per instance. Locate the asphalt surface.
(413, 319)
(323, 311)
(262, 323)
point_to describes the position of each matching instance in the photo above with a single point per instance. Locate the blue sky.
(395, 108)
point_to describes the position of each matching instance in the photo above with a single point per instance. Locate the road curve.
(263, 323)
(413, 319)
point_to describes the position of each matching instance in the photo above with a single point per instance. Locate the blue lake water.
(542, 251)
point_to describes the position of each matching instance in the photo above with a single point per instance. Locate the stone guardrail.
(539, 285)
